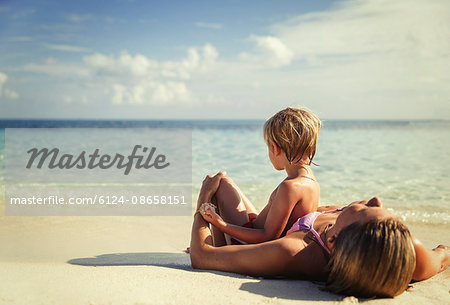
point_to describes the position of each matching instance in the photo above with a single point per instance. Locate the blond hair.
(374, 259)
(295, 131)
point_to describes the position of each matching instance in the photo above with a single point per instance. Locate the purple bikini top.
(307, 223)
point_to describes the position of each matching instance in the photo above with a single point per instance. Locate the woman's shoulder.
(306, 258)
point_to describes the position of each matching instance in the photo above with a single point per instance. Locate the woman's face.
(361, 211)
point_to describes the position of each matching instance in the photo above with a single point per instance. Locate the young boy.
(291, 137)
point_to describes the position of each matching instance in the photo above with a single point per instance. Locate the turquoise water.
(406, 164)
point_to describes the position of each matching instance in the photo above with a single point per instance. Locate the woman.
(361, 250)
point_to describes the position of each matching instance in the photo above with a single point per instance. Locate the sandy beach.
(139, 260)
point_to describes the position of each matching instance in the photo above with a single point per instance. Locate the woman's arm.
(430, 262)
(274, 258)
(202, 234)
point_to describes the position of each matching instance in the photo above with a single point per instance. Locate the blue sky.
(352, 59)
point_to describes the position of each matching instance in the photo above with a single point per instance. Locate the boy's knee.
(226, 181)
(226, 186)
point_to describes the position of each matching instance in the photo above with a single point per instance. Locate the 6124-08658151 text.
(100, 199)
(105, 161)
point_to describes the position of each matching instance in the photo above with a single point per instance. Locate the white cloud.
(170, 91)
(139, 65)
(140, 80)
(151, 92)
(380, 54)
(208, 25)
(6, 92)
(210, 55)
(274, 52)
(65, 48)
(363, 27)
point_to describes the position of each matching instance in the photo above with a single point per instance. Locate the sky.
(230, 59)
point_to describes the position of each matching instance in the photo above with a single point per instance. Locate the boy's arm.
(277, 218)
(248, 235)
(429, 262)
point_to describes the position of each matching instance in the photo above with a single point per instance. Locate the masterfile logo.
(98, 155)
(93, 160)
(98, 171)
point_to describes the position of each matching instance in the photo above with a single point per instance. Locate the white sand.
(139, 260)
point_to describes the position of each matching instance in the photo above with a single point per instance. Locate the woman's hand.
(443, 247)
(445, 250)
(430, 262)
(211, 182)
(209, 187)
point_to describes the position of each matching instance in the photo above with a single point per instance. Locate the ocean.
(405, 163)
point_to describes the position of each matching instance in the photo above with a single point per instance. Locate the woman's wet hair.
(372, 259)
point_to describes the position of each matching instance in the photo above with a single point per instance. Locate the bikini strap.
(320, 241)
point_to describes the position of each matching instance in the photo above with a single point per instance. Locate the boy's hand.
(209, 214)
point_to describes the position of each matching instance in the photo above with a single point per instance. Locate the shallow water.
(406, 164)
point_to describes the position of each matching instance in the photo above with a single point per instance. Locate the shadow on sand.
(180, 261)
(271, 288)
(169, 260)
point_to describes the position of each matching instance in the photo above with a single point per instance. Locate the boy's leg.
(249, 207)
(233, 206)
